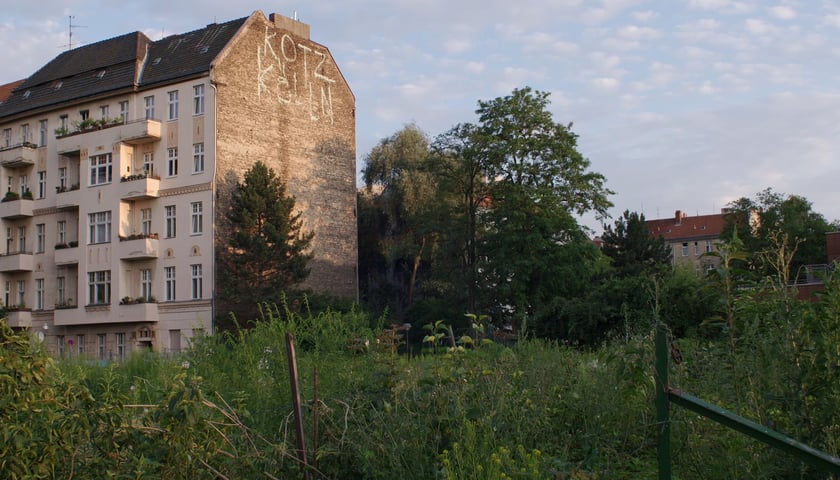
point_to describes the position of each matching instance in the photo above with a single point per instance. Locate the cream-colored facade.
(112, 198)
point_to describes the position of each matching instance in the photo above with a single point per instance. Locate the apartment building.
(691, 238)
(117, 160)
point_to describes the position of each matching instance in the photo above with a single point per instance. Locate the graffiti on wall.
(292, 73)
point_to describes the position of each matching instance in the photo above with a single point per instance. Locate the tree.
(631, 248)
(266, 253)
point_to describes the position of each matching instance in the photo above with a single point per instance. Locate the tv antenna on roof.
(70, 27)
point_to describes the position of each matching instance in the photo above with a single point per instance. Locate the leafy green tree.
(266, 253)
(631, 248)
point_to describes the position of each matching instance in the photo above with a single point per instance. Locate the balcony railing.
(135, 187)
(16, 262)
(21, 155)
(19, 318)
(140, 131)
(12, 206)
(67, 197)
(139, 247)
(67, 254)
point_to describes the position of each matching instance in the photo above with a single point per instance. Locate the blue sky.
(682, 105)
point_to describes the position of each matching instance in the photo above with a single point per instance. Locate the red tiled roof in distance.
(6, 90)
(683, 227)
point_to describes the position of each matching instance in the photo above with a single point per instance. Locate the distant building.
(117, 160)
(690, 238)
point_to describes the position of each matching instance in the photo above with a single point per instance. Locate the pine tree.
(266, 253)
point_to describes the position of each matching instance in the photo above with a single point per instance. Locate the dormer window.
(57, 84)
(100, 74)
(26, 94)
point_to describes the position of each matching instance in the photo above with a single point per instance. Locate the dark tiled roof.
(119, 63)
(686, 228)
(188, 53)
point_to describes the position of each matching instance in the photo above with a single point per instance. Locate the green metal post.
(663, 417)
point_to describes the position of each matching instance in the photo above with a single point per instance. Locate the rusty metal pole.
(293, 378)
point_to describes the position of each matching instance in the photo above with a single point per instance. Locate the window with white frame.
(103, 112)
(40, 237)
(709, 248)
(198, 100)
(62, 179)
(85, 115)
(61, 290)
(685, 249)
(9, 241)
(169, 212)
(80, 342)
(39, 294)
(100, 345)
(100, 169)
(99, 287)
(150, 107)
(42, 133)
(149, 163)
(24, 184)
(59, 341)
(7, 298)
(22, 239)
(197, 282)
(100, 227)
(120, 346)
(61, 226)
(42, 184)
(63, 122)
(24, 133)
(172, 161)
(146, 221)
(197, 218)
(21, 300)
(124, 111)
(146, 284)
(169, 273)
(173, 105)
(7, 137)
(198, 157)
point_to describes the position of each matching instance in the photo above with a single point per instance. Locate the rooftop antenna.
(70, 27)
(296, 17)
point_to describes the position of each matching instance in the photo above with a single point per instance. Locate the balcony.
(67, 254)
(140, 186)
(20, 318)
(137, 312)
(22, 155)
(139, 247)
(12, 206)
(16, 262)
(67, 198)
(140, 132)
(68, 314)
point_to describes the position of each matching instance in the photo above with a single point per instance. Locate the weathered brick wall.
(281, 99)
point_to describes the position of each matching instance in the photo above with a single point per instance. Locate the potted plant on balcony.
(11, 196)
(27, 195)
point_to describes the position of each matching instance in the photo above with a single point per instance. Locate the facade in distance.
(690, 238)
(116, 162)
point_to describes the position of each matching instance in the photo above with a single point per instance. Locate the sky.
(681, 104)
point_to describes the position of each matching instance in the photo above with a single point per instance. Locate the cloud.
(605, 83)
(645, 16)
(707, 88)
(783, 12)
(457, 45)
(633, 32)
(758, 27)
(721, 6)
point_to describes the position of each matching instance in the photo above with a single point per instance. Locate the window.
(124, 111)
(61, 290)
(146, 221)
(42, 184)
(196, 282)
(198, 157)
(100, 345)
(62, 179)
(80, 341)
(170, 221)
(149, 163)
(42, 133)
(172, 163)
(39, 293)
(197, 218)
(121, 346)
(9, 184)
(21, 292)
(103, 112)
(150, 107)
(99, 287)
(100, 169)
(173, 105)
(40, 239)
(7, 137)
(9, 243)
(61, 226)
(709, 248)
(24, 184)
(59, 342)
(685, 249)
(7, 299)
(85, 114)
(24, 133)
(146, 284)
(21, 239)
(696, 248)
(62, 120)
(100, 227)
(198, 100)
(170, 283)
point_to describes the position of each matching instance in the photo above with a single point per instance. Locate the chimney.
(679, 215)
(294, 26)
